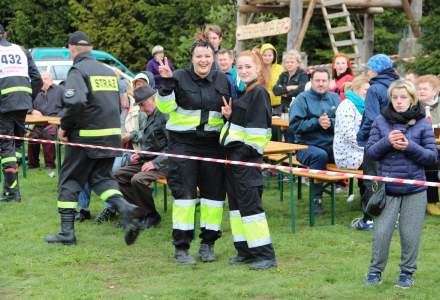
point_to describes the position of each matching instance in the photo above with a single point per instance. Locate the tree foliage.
(130, 28)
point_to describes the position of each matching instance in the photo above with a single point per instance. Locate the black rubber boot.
(67, 234)
(10, 187)
(182, 257)
(130, 214)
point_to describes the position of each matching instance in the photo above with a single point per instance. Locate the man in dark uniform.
(20, 82)
(91, 116)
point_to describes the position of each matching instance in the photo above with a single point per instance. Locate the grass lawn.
(324, 262)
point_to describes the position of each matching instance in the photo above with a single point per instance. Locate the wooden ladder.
(352, 53)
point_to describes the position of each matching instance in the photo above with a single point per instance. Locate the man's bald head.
(47, 80)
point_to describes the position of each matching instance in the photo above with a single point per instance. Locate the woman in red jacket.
(342, 72)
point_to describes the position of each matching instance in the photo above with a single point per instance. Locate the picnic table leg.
(311, 207)
(332, 203)
(23, 161)
(165, 202)
(299, 187)
(292, 197)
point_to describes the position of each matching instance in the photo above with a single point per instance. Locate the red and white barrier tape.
(234, 162)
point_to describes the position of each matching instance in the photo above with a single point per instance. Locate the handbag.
(376, 198)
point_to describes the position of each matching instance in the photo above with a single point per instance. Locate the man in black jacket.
(20, 81)
(91, 116)
(135, 179)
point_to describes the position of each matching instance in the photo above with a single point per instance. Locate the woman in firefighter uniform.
(245, 135)
(193, 99)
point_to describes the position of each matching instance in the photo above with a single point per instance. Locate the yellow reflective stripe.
(256, 230)
(109, 193)
(18, 155)
(99, 132)
(257, 138)
(104, 83)
(9, 159)
(211, 214)
(13, 185)
(215, 121)
(166, 104)
(16, 89)
(62, 204)
(182, 120)
(236, 226)
(183, 214)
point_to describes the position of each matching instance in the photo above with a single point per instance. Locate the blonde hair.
(408, 86)
(292, 54)
(356, 84)
(433, 80)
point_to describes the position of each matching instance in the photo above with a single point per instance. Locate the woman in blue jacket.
(403, 143)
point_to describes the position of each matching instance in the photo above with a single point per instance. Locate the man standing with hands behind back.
(312, 119)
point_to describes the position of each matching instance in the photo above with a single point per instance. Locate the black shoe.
(240, 260)
(10, 197)
(82, 215)
(206, 253)
(263, 264)
(151, 221)
(317, 206)
(183, 257)
(105, 215)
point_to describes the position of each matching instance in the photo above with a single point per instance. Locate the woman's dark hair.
(201, 43)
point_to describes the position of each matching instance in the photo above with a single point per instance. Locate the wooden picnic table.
(286, 150)
(277, 121)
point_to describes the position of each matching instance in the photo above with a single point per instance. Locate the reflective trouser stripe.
(16, 89)
(109, 193)
(99, 132)
(166, 104)
(14, 184)
(237, 226)
(183, 214)
(256, 230)
(8, 160)
(62, 204)
(18, 155)
(211, 213)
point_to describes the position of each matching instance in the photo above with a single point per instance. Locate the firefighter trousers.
(184, 177)
(244, 186)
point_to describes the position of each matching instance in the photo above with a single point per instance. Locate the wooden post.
(368, 37)
(241, 20)
(411, 18)
(305, 25)
(296, 14)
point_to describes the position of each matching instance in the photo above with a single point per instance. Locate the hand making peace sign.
(164, 69)
(227, 108)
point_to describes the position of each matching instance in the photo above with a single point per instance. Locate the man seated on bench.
(134, 180)
(312, 119)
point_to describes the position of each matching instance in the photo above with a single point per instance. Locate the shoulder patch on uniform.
(69, 93)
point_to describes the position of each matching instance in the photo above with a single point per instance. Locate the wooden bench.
(328, 180)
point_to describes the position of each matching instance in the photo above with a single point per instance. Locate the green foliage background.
(130, 28)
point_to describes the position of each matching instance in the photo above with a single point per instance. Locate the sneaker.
(405, 281)
(317, 206)
(373, 279)
(105, 215)
(82, 215)
(360, 224)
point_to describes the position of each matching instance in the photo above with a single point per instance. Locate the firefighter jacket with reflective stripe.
(250, 121)
(91, 106)
(194, 105)
(20, 80)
